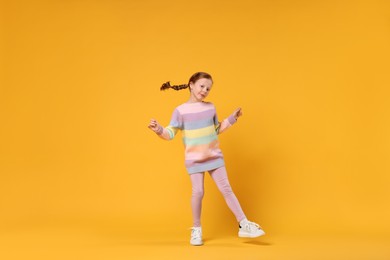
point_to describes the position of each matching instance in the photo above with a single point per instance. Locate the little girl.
(200, 126)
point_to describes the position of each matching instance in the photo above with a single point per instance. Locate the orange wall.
(82, 78)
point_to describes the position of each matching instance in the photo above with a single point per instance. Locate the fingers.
(153, 125)
(238, 112)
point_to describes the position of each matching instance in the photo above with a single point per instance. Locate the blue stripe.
(206, 166)
(200, 140)
(175, 124)
(198, 124)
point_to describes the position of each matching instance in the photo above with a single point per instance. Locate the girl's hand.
(154, 125)
(237, 113)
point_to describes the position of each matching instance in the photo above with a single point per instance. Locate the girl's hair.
(194, 78)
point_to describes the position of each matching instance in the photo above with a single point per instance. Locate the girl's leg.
(197, 180)
(220, 177)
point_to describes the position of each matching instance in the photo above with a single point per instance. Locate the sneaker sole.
(262, 233)
(196, 244)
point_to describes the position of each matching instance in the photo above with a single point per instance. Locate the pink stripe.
(195, 107)
(216, 156)
(192, 157)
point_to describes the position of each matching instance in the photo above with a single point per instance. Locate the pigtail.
(167, 85)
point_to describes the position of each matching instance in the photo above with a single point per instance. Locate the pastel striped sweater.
(200, 126)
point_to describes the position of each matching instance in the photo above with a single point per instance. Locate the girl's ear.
(191, 85)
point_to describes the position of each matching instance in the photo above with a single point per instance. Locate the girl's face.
(200, 89)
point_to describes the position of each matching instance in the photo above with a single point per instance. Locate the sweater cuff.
(232, 119)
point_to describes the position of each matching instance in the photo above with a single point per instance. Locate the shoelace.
(196, 233)
(252, 225)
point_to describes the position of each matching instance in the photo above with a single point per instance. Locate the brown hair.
(194, 78)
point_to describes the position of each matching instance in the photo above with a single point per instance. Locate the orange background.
(80, 81)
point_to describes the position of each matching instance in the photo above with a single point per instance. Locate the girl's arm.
(167, 133)
(228, 122)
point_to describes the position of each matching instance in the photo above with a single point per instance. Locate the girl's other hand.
(154, 125)
(237, 113)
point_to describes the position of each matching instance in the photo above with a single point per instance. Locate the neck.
(193, 100)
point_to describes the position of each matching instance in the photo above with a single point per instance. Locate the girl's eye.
(201, 86)
(208, 89)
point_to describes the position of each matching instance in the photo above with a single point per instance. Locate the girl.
(200, 126)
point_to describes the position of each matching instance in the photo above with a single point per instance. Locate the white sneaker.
(249, 229)
(196, 236)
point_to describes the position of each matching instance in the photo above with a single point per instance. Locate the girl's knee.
(226, 190)
(199, 193)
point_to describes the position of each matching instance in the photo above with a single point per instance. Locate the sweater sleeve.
(221, 127)
(176, 124)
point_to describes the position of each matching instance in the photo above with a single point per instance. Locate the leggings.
(220, 178)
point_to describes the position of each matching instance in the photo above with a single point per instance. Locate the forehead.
(204, 81)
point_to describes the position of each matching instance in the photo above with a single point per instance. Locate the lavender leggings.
(220, 177)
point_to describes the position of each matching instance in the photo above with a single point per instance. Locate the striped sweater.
(200, 126)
